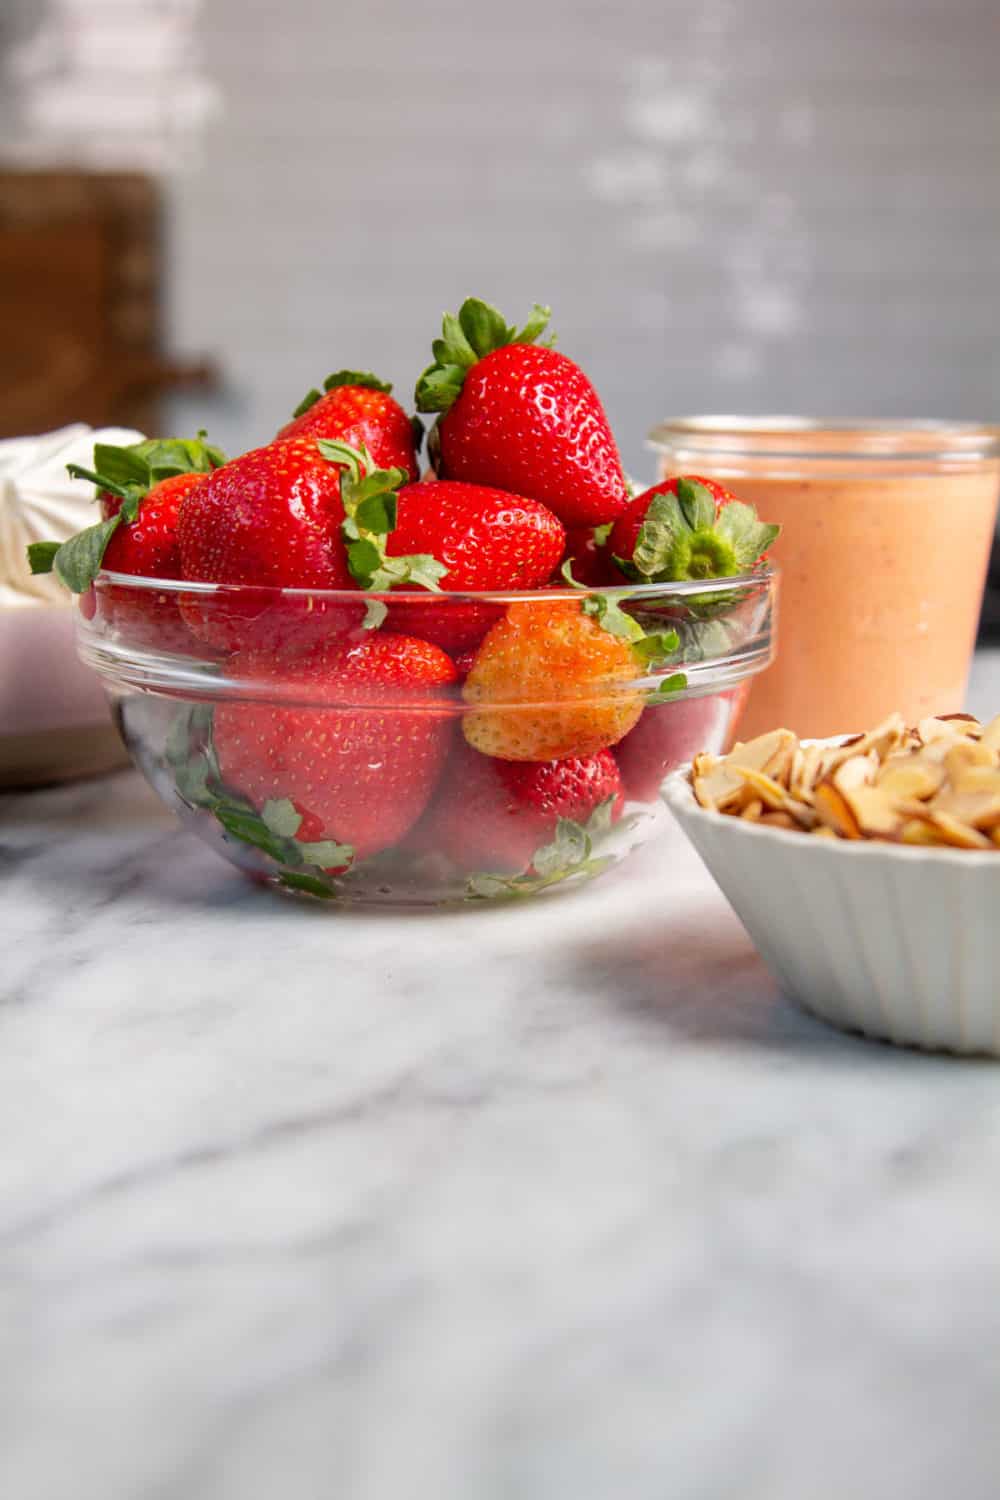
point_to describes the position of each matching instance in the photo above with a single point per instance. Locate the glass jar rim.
(833, 438)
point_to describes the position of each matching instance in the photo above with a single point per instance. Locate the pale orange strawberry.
(549, 682)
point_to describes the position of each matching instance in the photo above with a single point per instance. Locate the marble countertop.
(562, 1201)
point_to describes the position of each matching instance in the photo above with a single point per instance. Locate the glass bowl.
(354, 747)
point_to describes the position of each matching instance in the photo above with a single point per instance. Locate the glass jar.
(886, 535)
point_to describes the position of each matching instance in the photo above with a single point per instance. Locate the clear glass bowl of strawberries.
(362, 685)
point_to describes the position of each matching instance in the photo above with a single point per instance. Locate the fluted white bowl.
(898, 942)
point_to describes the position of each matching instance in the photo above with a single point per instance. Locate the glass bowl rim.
(768, 573)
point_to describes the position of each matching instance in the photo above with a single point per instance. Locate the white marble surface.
(565, 1201)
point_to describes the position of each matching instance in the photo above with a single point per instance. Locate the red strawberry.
(141, 489)
(149, 545)
(271, 519)
(520, 417)
(688, 529)
(486, 539)
(668, 734)
(492, 815)
(357, 408)
(588, 557)
(360, 763)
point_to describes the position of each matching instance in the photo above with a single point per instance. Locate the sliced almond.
(917, 831)
(937, 784)
(957, 834)
(910, 777)
(976, 809)
(991, 734)
(805, 771)
(952, 727)
(770, 753)
(858, 772)
(719, 788)
(775, 798)
(834, 811)
(966, 755)
(875, 813)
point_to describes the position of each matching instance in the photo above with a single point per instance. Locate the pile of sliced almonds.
(936, 784)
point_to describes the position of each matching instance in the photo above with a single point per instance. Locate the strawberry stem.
(370, 500)
(478, 330)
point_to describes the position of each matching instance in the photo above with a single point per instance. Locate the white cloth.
(39, 502)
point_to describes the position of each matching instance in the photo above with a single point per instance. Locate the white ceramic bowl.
(900, 943)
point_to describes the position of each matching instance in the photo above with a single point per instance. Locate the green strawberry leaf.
(327, 854)
(370, 511)
(78, 561)
(681, 540)
(313, 885)
(375, 614)
(190, 753)
(601, 533)
(568, 856)
(478, 330)
(483, 327)
(364, 558)
(667, 687)
(418, 568)
(363, 378)
(657, 646)
(606, 609)
(453, 347)
(128, 473)
(697, 504)
(100, 481)
(749, 537)
(307, 403)
(534, 327)
(439, 387)
(123, 466)
(377, 513)
(41, 556)
(281, 818)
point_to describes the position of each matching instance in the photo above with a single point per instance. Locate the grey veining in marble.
(565, 1201)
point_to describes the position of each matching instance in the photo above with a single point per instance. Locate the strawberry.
(148, 545)
(688, 529)
(671, 733)
(494, 814)
(140, 489)
(359, 763)
(588, 557)
(270, 519)
(357, 408)
(549, 682)
(486, 539)
(520, 417)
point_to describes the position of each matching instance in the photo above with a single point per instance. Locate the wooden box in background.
(81, 284)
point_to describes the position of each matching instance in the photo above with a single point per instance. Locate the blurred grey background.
(779, 204)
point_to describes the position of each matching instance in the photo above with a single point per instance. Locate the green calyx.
(681, 540)
(128, 473)
(570, 855)
(652, 648)
(370, 500)
(340, 378)
(190, 753)
(477, 330)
